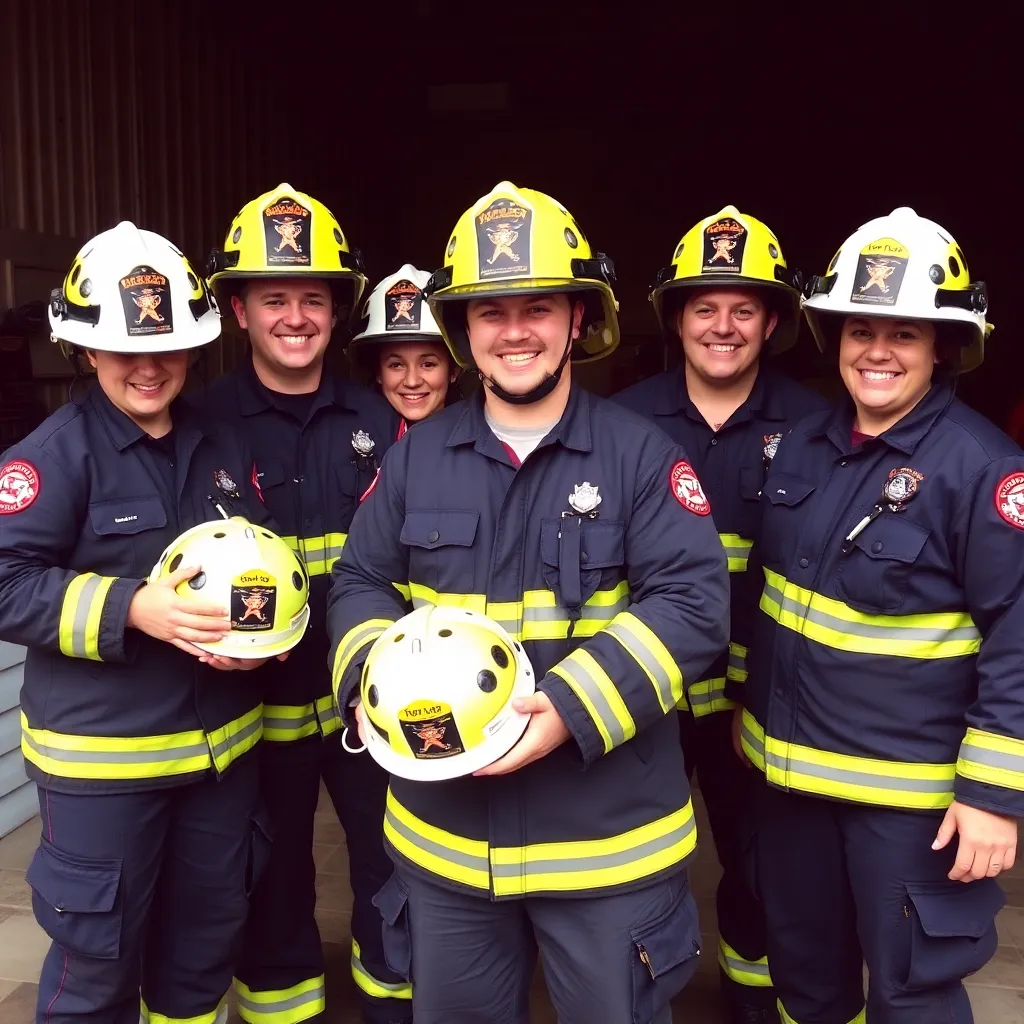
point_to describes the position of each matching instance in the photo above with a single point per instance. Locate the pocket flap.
(391, 900)
(954, 909)
(126, 516)
(74, 884)
(602, 545)
(269, 472)
(892, 539)
(438, 529)
(751, 481)
(784, 489)
(671, 939)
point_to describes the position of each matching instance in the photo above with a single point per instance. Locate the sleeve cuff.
(571, 710)
(114, 644)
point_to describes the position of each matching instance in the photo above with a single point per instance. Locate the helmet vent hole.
(487, 681)
(76, 273)
(198, 581)
(500, 656)
(339, 237)
(267, 535)
(372, 696)
(963, 262)
(570, 239)
(773, 250)
(936, 274)
(451, 247)
(236, 235)
(954, 267)
(220, 536)
(399, 638)
(444, 632)
(679, 251)
(193, 282)
(297, 580)
(175, 562)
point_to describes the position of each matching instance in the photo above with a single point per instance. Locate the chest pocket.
(748, 513)
(784, 517)
(441, 553)
(131, 533)
(583, 562)
(874, 574)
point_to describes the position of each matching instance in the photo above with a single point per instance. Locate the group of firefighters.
(817, 607)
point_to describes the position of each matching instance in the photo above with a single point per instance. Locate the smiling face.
(519, 340)
(142, 386)
(887, 366)
(723, 331)
(289, 321)
(414, 376)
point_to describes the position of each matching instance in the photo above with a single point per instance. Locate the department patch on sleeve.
(687, 489)
(1010, 499)
(19, 486)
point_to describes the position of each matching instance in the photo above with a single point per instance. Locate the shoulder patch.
(19, 486)
(1010, 499)
(687, 490)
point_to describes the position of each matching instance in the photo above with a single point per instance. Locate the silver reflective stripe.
(84, 603)
(289, 724)
(643, 656)
(745, 966)
(752, 739)
(585, 681)
(589, 612)
(737, 662)
(235, 739)
(114, 756)
(991, 758)
(595, 862)
(706, 692)
(369, 633)
(388, 986)
(467, 860)
(874, 632)
(262, 1009)
(852, 777)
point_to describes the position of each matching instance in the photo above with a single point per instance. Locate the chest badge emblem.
(222, 478)
(585, 498)
(901, 486)
(771, 446)
(362, 443)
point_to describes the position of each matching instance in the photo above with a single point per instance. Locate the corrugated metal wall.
(17, 794)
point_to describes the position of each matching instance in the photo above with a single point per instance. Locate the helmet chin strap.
(541, 391)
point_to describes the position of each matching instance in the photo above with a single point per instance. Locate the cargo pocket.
(77, 901)
(393, 903)
(664, 955)
(260, 844)
(873, 576)
(952, 930)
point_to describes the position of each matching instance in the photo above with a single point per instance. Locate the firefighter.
(584, 532)
(401, 347)
(729, 411)
(885, 693)
(316, 439)
(138, 739)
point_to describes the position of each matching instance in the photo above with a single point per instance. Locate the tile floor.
(997, 992)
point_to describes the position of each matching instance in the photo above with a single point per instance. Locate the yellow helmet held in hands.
(731, 250)
(250, 571)
(287, 233)
(516, 241)
(437, 689)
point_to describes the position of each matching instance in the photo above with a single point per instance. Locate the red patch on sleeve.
(1010, 499)
(19, 486)
(256, 483)
(686, 489)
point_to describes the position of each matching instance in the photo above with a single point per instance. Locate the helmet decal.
(503, 239)
(404, 301)
(146, 298)
(286, 229)
(880, 270)
(724, 241)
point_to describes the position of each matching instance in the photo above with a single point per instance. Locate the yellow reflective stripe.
(352, 644)
(861, 1017)
(651, 655)
(992, 758)
(80, 614)
(752, 973)
(282, 1006)
(149, 1016)
(434, 849)
(318, 553)
(538, 616)
(328, 714)
(737, 668)
(232, 740)
(846, 777)
(599, 696)
(737, 550)
(595, 863)
(708, 696)
(834, 624)
(285, 723)
(374, 986)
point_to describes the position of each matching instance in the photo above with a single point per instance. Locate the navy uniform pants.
(730, 790)
(280, 978)
(606, 959)
(145, 891)
(845, 884)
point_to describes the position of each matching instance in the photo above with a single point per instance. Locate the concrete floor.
(997, 992)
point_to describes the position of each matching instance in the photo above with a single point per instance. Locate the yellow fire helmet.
(901, 266)
(287, 233)
(249, 570)
(437, 689)
(516, 241)
(731, 250)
